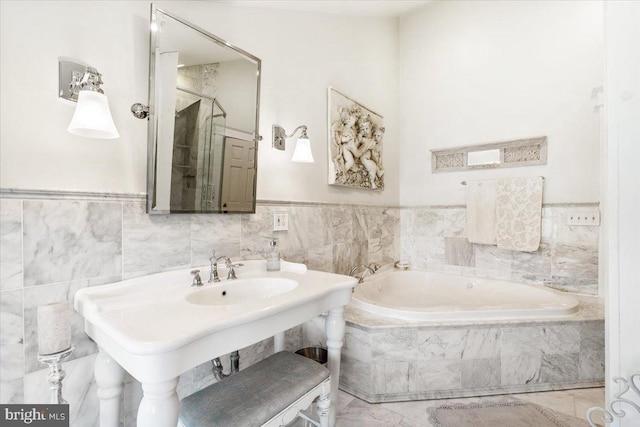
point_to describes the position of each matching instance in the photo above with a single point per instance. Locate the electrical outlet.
(280, 221)
(583, 218)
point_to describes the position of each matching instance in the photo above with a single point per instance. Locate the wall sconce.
(302, 152)
(92, 117)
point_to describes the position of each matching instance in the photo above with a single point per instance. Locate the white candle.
(54, 327)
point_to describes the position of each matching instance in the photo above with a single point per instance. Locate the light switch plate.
(280, 221)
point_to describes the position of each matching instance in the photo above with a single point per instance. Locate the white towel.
(481, 212)
(519, 213)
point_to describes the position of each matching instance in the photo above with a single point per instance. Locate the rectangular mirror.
(204, 99)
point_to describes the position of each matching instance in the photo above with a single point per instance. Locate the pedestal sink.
(241, 291)
(157, 327)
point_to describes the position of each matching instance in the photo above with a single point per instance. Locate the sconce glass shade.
(302, 153)
(92, 117)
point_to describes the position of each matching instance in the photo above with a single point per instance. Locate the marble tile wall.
(51, 247)
(435, 238)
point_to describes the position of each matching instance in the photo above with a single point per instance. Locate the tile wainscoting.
(53, 244)
(56, 243)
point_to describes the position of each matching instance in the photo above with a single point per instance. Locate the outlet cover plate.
(591, 217)
(280, 221)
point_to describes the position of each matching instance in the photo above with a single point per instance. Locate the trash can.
(317, 354)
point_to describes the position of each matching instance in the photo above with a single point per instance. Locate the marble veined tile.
(348, 255)
(71, 240)
(429, 375)
(35, 296)
(482, 343)
(10, 244)
(480, 373)
(446, 344)
(196, 379)
(341, 220)
(592, 335)
(309, 226)
(520, 369)
(357, 344)
(559, 368)
(395, 344)
(360, 414)
(355, 374)
(458, 251)
(11, 391)
(575, 261)
(219, 233)
(592, 350)
(320, 258)
(154, 243)
(548, 339)
(396, 377)
(313, 332)
(11, 335)
(79, 389)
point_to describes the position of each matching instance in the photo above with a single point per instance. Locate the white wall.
(622, 199)
(302, 54)
(473, 72)
(234, 95)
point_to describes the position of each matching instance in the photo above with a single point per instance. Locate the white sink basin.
(241, 291)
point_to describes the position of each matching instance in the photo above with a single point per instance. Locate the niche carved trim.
(513, 153)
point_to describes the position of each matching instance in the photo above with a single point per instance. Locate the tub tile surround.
(409, 360)
(113, 239)
(435, 238)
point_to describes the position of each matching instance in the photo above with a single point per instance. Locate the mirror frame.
(152, 119)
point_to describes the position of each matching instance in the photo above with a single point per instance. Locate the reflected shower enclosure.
(198, 142)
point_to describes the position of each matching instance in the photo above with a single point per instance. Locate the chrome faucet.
(213, 274)
(371, 268)
(197, 281)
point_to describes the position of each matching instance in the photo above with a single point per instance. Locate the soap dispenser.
(273, 257)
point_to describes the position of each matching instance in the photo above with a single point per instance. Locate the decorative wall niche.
(505, 154)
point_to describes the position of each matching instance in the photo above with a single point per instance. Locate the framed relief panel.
(355, 144)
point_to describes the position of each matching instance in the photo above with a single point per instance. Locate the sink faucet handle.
(197, 281)
(232, 271)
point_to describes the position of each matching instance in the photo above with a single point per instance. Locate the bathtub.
(427, 295)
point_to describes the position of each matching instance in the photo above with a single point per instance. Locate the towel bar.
(465, 182)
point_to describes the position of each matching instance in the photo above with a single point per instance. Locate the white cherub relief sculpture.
(370, 158)
(357, 146)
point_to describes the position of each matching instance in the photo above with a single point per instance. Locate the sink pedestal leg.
(160, 406)
(110, 380)
(335, 327)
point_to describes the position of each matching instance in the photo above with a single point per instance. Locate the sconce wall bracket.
(278, 137)
(73, 77)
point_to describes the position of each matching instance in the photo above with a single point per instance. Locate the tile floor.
(569, 405)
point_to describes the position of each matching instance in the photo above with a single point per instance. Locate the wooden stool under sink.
(270, 393)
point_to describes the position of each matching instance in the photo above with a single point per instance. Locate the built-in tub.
(413, 335)
(427, 295)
